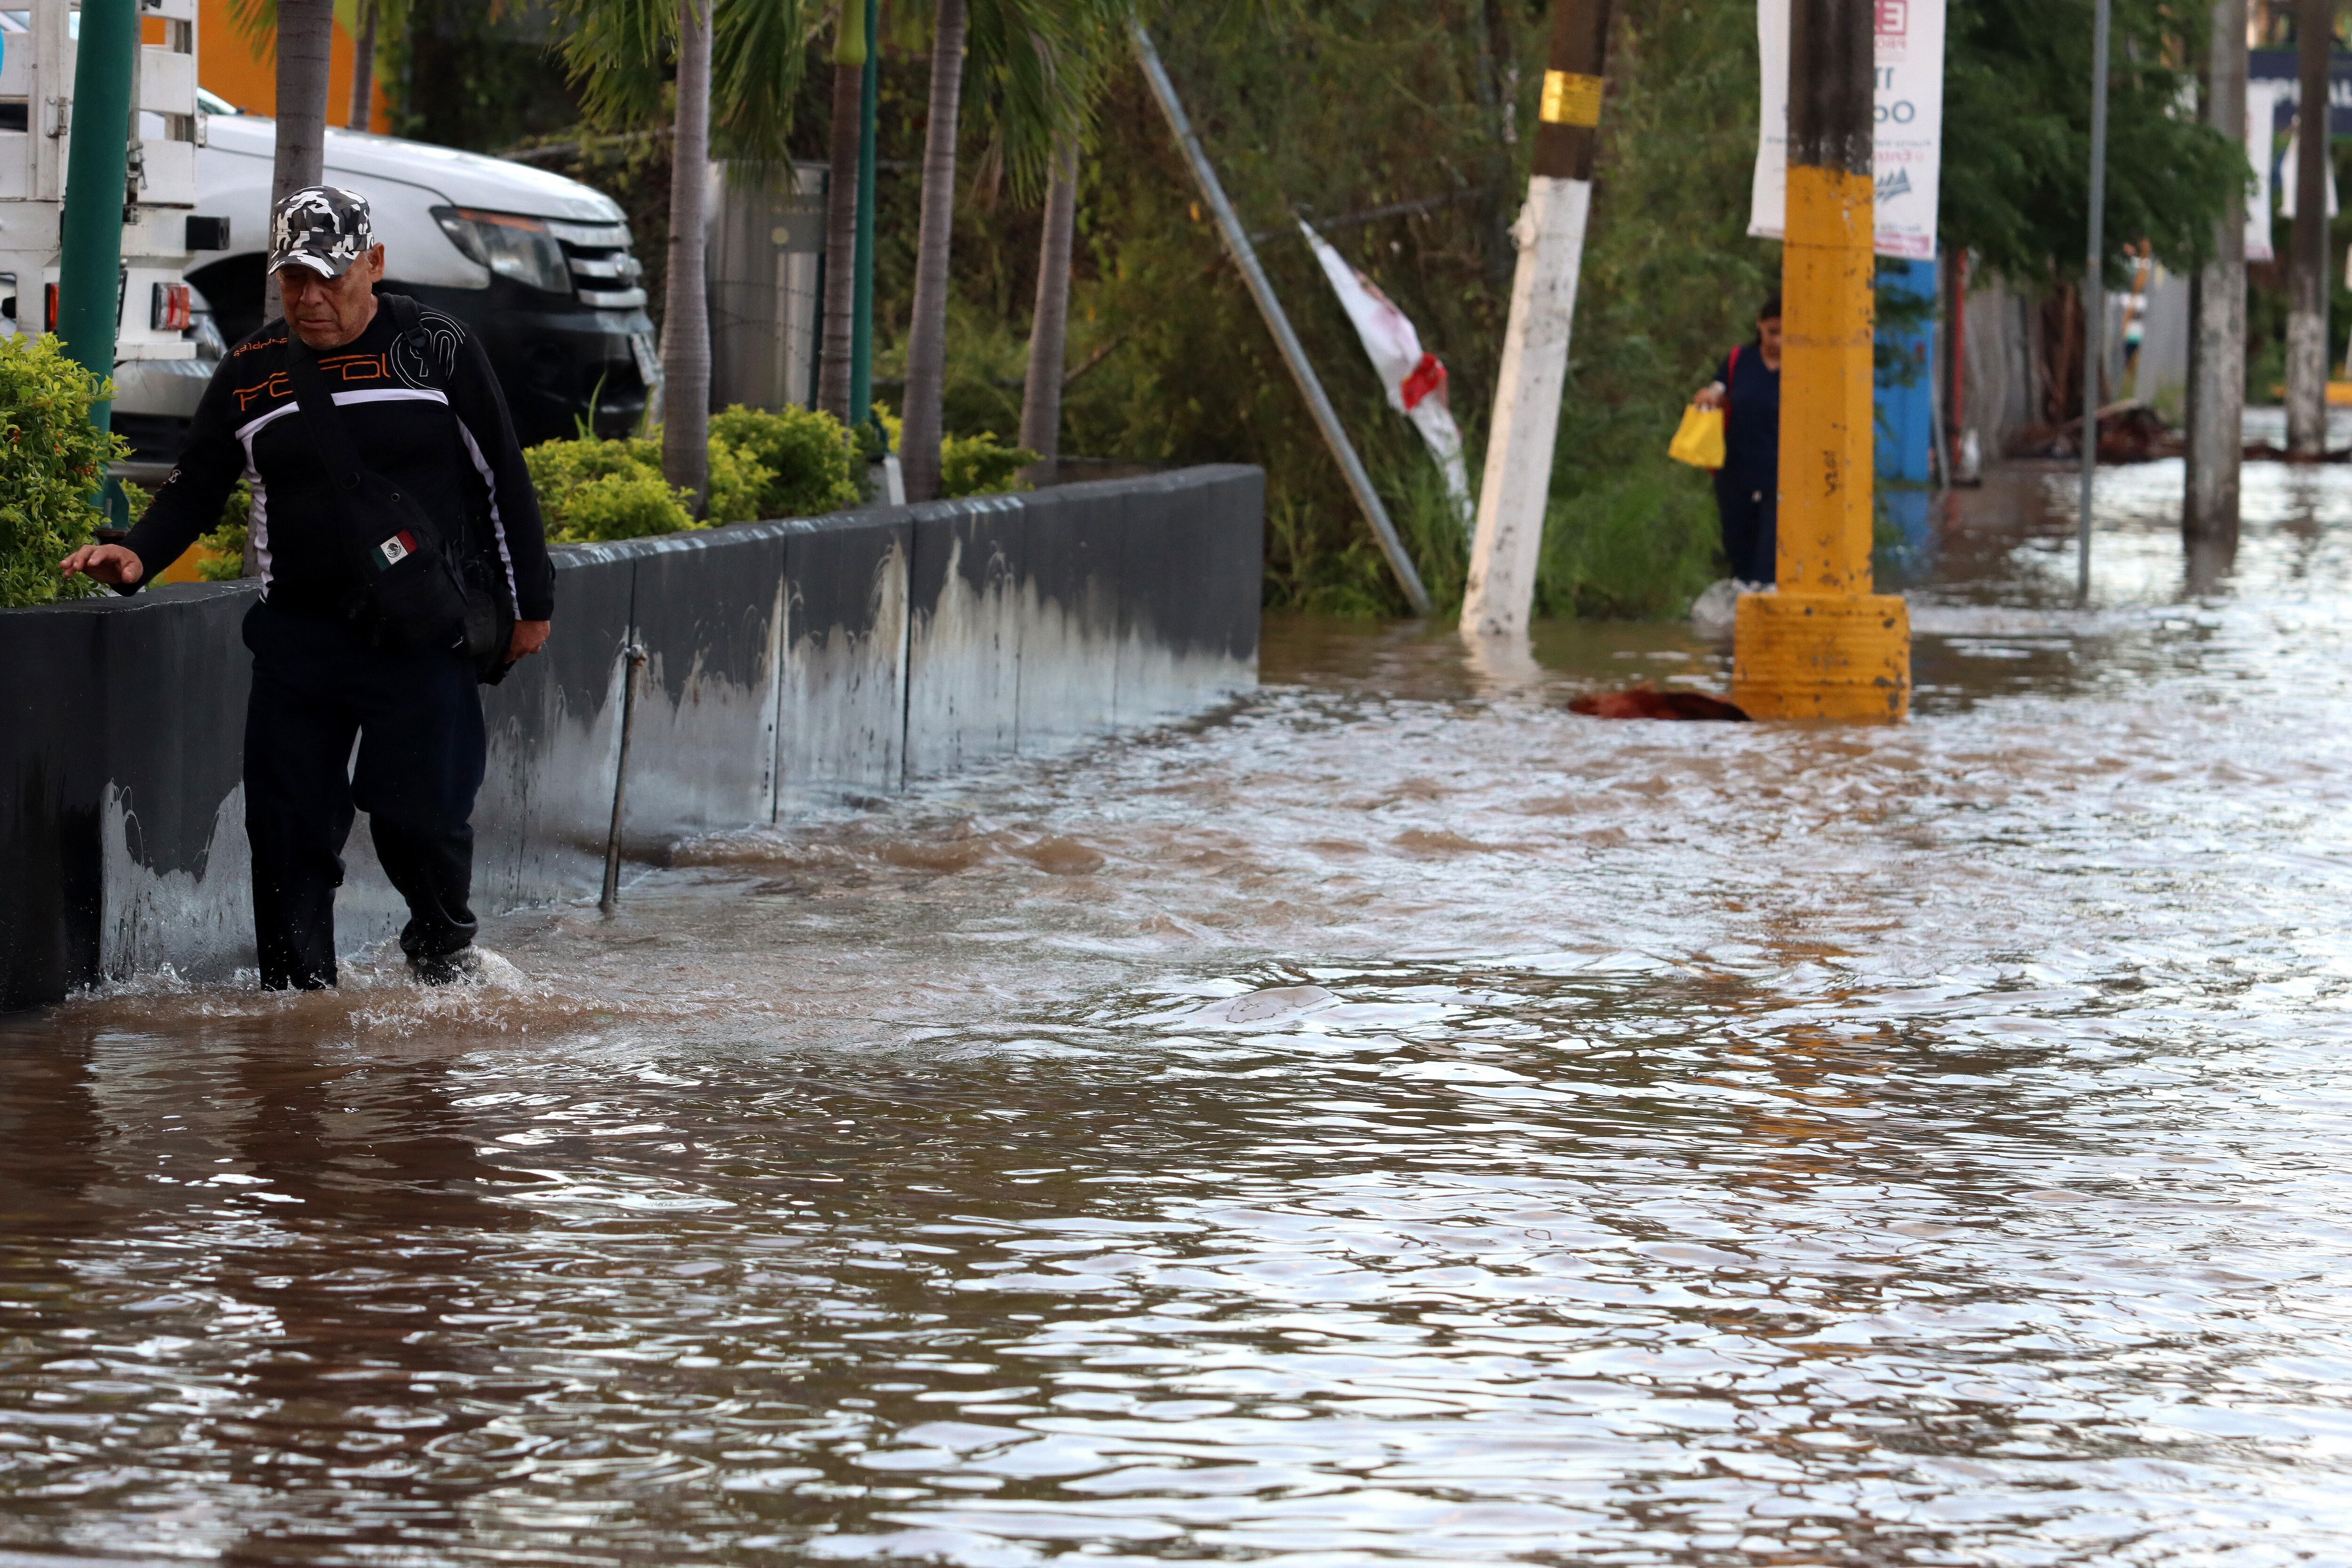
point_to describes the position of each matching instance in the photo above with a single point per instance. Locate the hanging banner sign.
(1907, 147)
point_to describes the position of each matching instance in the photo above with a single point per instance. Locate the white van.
(538, 267)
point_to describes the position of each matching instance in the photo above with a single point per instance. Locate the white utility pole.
(1550, 236)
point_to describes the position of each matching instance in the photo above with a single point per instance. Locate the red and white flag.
(1415, 380)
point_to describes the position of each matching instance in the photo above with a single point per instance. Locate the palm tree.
(258, 22)
(1041, 393)
(927, 340)
(1039, 63)
(302, 32)
(849, 48)
(738, 65)
(686, 306)
(370, 18)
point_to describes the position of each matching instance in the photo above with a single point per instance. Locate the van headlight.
(517, 248)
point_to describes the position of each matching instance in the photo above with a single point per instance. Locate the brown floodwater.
(1394, 1120)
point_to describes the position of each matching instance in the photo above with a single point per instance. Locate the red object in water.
(1646, 701)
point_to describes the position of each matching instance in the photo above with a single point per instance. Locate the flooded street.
(1394, 1120)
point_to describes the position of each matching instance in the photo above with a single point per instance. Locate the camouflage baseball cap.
(322, 227)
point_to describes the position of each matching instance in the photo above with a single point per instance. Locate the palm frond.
(757, 50)
(1036, 69)
(614, 51)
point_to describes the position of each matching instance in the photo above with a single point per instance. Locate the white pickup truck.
(537, 266)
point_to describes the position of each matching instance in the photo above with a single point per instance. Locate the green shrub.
(225, 562)
(593, 489)
(51, 462)
(739, 485)
(968, 465)
(806, 456)
(625, 506)
(762, 465)
(222, 560)
(982, 466)
(1638, 546)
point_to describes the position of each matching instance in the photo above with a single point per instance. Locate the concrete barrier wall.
(789, 665)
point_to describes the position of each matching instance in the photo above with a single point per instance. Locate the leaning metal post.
(1823, 645)
(1244, 256)
(635, 656)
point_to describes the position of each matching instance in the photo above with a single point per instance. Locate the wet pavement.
(1392, 1121)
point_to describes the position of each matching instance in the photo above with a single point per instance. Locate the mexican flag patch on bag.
(394, 551)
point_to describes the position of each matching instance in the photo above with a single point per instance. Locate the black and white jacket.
(399, 411)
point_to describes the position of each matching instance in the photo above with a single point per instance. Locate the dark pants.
(1747, 503)
(419, 720)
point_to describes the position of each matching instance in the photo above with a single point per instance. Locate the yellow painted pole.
(1823, 645)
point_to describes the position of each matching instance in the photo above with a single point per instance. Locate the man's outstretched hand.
(107, 563)
(112, 563)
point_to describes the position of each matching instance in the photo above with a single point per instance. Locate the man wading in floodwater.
(402, 563)
(1746, 387)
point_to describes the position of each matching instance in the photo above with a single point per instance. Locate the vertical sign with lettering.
(1906, 150)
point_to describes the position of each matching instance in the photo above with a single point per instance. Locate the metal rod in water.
(2095, 301)
(635, 655)
(1237, 241)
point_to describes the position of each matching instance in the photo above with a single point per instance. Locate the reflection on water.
(1394, 1120)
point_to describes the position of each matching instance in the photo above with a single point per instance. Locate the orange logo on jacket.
(346, 368)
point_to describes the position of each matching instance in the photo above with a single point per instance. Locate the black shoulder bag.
(421, 587)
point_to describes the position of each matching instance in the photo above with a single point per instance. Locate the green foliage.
(634, 505)
(223, 560)
(1168, 362)
(1637, 547)
(762, 465)
(805, 453)
(982, 466)
(51, 462)
(738, 481)
(615, 52)
(2017, 138)
(222, 557)
(603, 491)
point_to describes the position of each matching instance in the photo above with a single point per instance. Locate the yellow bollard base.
(1823, 656)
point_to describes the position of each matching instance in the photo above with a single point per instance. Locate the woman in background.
(1746, 387)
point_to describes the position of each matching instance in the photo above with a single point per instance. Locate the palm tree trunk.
(1041, 398)
(686, 309)
(306, 29)
(926, 345)
(363, 69)
(849, 49)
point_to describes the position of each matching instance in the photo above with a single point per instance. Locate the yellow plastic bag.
(1699, 439)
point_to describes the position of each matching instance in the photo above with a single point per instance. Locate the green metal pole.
(89, 273)
(861, 349)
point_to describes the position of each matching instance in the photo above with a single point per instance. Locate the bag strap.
(325, 420)
(321, 415)
(1730, 375)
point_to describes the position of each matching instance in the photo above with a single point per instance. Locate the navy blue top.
(1751, 414)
